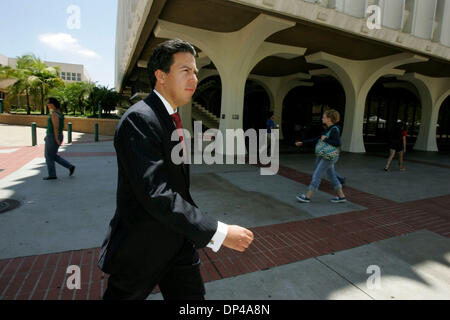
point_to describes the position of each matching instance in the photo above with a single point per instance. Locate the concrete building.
(376, 61)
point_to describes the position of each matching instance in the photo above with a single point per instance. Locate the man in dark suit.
(157, 228)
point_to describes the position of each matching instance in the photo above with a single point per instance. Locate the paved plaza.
(391, 240)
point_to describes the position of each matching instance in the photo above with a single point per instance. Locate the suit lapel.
(158, 107)
(154, 102)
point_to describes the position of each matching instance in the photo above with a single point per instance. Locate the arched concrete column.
(432, 92)
(234, 55)
(357, 78)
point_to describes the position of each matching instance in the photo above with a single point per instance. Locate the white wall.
(3, 60)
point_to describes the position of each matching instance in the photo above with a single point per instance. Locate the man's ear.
(160, 76)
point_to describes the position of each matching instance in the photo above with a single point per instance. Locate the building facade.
(376, 61)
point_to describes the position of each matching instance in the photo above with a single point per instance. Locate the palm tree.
(60, 93)
(43, 79)
(77, 95)
(22, 74)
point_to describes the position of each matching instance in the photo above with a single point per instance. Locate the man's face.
(180, 83)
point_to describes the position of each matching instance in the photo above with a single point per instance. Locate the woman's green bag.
(325, 150)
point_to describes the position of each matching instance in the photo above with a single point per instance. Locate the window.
(73, 76)
(78, 76)
(63, 75)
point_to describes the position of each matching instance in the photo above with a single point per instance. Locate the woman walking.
(54, 139)
(397, 144)
(327, 153)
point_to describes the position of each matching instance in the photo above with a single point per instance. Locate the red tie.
(176, 118)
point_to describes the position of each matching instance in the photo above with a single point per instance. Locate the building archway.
(256, 106)
(209, 94)
(390, 101)
(304, 106)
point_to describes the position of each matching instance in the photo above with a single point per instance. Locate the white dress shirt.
(222, 228)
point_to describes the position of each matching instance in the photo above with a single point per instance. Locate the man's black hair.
(162, 56)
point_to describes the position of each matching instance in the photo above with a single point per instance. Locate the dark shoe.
(386, 169)
(72, 169)
(49, 178)
(303, 198)
(339, 200)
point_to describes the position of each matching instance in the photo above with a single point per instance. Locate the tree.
(85, 89)
(60, 93)
(43, 79)
(108, 98)
(22, 74)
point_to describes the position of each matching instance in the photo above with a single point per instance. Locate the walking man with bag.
(327, 153)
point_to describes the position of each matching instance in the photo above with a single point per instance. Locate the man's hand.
(323, 138)
(298, 144)
(238, 238)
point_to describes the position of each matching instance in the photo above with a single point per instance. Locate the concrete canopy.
(233, 17)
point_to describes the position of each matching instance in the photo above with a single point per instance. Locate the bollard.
(33, 134)
(69, 132)
(99, 110)
(96, 132)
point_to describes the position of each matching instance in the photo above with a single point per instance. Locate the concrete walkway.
(396, 226)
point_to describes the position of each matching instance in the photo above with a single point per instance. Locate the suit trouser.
(180, 280)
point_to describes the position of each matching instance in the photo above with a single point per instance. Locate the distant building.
(68, 72)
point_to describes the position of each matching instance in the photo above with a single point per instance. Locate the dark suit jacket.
(155, 213)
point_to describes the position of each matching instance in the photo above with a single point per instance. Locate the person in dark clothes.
(157, 228)
(397, 144)
(332, 137)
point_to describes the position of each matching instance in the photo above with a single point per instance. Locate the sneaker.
(339, 200)
(303, 198)
(72, 169)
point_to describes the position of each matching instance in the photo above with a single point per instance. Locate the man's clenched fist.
(238, 238)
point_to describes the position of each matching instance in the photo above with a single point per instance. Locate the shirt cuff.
(219, 237)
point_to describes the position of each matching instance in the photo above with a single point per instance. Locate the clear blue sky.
(46, 29)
